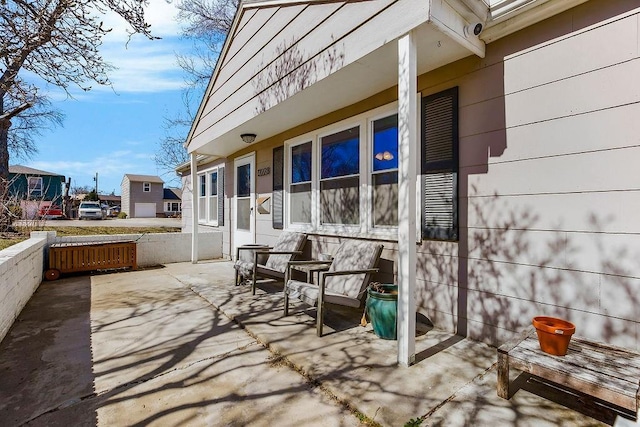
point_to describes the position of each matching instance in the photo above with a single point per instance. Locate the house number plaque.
(264, 171)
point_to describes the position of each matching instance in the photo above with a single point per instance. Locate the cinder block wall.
(21, 267)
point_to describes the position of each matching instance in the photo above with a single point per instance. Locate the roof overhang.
(346, 70)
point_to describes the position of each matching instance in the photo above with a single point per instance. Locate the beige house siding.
(187, 207)
(133, 192)
(187, 204)
(137, 195)
(125, 194)
(547, 149)
(548, 185)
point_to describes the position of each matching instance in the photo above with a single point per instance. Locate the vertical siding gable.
(328, 46)
(236, 82)
(250, 23)
(260, 45)
(324, 48)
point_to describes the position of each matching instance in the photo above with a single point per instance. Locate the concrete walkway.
(181, 345)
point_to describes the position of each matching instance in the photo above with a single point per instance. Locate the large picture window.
(211, 196)
(344, 178)
(340, 177)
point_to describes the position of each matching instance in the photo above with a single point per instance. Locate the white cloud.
(161, 14)
(110, 167)
(143, 66)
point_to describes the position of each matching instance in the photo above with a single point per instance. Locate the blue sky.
(113, 131)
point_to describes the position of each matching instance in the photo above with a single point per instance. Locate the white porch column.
(194, 208)
(407, 154)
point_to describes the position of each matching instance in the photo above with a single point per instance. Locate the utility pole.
(66, 200)
(96, 180)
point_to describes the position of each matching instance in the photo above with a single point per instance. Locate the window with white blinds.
(439, 181)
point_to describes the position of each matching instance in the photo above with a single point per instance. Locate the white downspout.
(407, 153)
(194, 208)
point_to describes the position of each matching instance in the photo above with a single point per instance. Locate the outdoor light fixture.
(384, 156)
(248, 137)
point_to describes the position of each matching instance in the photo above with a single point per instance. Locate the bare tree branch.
(11, 114)
(206, 23)
(59, 41)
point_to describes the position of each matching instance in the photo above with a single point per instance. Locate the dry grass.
(8, 239)
(22, 233)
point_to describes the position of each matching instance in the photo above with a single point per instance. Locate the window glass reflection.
(341, 153)
(213, 191)
(244, 180)
(384, 179)
(203, 184)
(385, 143)
(244, 215)
(300, 199)
(340, 201)
(385, 199)
(301, 163)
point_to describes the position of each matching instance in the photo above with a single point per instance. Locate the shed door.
(145, 210)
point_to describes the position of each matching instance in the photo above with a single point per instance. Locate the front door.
(244, 201)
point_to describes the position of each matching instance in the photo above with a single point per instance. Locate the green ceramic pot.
(382, 309)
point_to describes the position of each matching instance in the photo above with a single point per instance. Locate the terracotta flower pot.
(553, 334)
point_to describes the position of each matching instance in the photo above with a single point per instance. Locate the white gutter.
(510, 16)
(506, 7)
(471, 10)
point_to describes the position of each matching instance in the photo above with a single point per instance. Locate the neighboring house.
(35, 189)
(110, 200)
(500, 170)
(172, 202)
(142, 196)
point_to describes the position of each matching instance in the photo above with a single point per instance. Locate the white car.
(91, 210)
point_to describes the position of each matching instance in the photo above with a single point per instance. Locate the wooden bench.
(89, 256)
(609, 373)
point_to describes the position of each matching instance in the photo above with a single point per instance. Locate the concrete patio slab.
(140, 348)
(182, 345)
